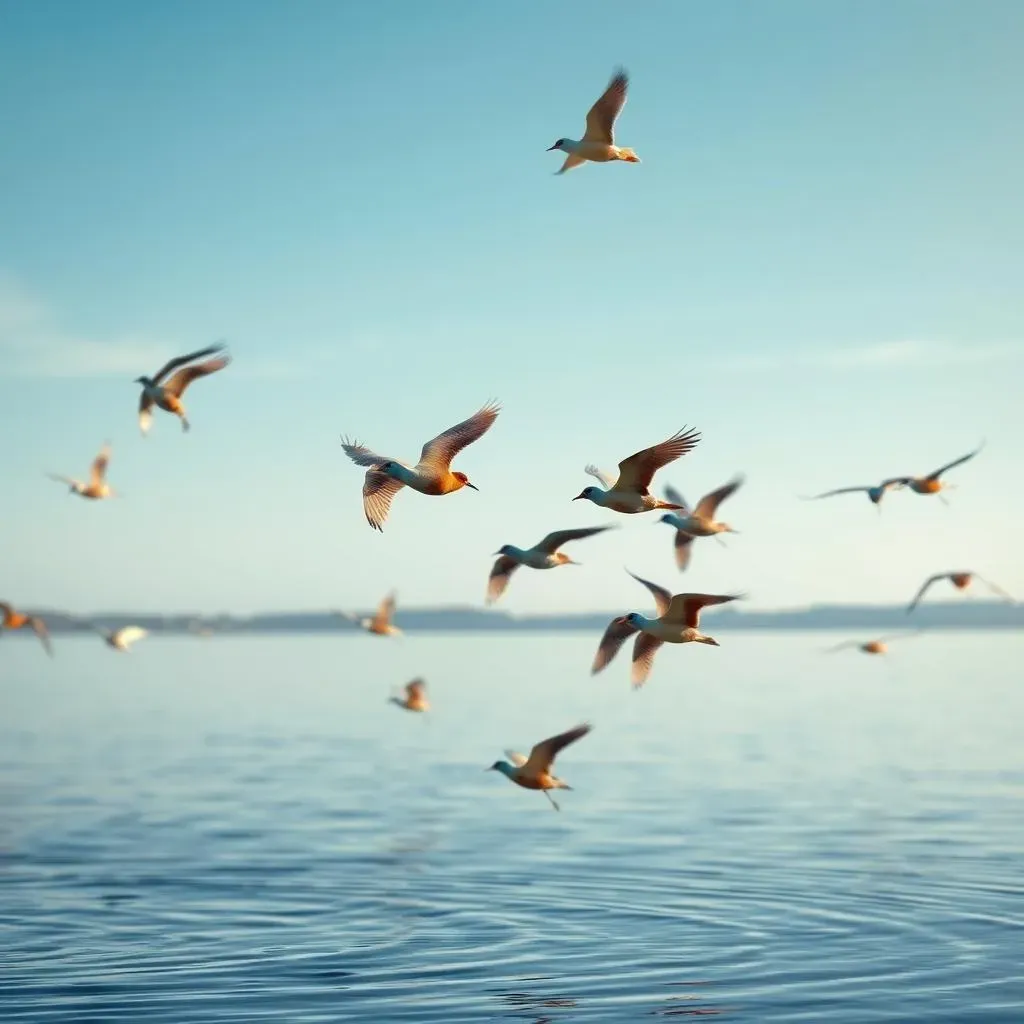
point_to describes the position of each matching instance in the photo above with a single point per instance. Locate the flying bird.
(932, 484)
(875, 493)
(167, 395)
(119, 639)
(534, 772)
(598, 142)
(880, 645)
(543, 555)
(415, 698)
(19, 620)
(677, 622)
(381, 623)
(97, 488)
(960, 579)
(629, 493)
(700, 522)
(431, 475)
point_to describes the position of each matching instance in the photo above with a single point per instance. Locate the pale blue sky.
(819, 264)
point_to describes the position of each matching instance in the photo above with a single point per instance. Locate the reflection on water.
(189, 838)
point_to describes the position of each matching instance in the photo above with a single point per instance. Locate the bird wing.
(685, 608)
(924, 586)
(40, 630)
(501, 573)
(553, 541)
(63, 479)
(385, 610)
(619, 629)
(127, 635)
(99, 465)
(516, 758)
(606, 481)
(838, 490)
(414, 689)
(544, 753)
(176, 385)
(637, 472)
(840, 647)
(378, 490)
(996, 589)
(362, 456)
(662, 597)
(675, 497)
(145, 412)
(571, 161)
(601, 116)
(6, 610)
(708, 505)
(956, 462)
(683, 545)
(173, 364)
(644, 649)
(437, 454)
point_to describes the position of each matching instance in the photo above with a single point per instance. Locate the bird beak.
(474, 486)
(548, 150)
(578, 496)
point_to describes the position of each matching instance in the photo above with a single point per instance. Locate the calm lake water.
(242, 829)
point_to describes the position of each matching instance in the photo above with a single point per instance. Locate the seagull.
(700, 522)
(960, 579)
(119, 639)
(18, 620)
(167, 396)
(880, 645)
(97, 488)
(381, 622)
(931, 484)
(431, 475)
(677, 623)
(534, 772)
(544, 555)
(875, 493)
(598, 142)
(415, 698)
(629, 494)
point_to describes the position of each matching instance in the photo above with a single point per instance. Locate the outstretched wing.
(644, 649)
(145, 413)
(683, 545)
(997, 589)
(708, 505)
(619, 629)
(838, 490)
(437, 454)
(553, 541)
(176, 385)
(662, 597)
(924, 586)
(177, 361)
(544, 753)
(637, 472)
(501, 573)
(62, 479)
(956, 462)
(685, 608)
(675, 497)
(39, 628)
(385, 610)
(414, 690)
(606, 481)
(378, 490)
(362, 456)
(516, 758)
(99, 465)
(601, 116)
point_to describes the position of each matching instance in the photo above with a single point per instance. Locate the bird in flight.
(932, 483)
(598, 142)
(431, 475)
(97, 488)
(12, 619)
(880, 645)
(534, 772)
(874, 492)
(415, 698)
(381, 623)
(167, 395)
(700, 522)
(960, 579)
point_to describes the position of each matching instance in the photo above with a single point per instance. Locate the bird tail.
(628, 155)
(669, 504)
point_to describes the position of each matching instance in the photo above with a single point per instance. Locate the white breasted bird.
(167, 395)
(543, 555)
(97, 488)
(700, 522)
(534, 772)
(598, 142)
(630, 492)
(431, 475)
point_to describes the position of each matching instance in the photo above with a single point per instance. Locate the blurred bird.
(431, 475)
(167, 396)
(18, 620)
(119, 639)
(961, 580)
(877, 646)
(875, 493)
(544, 555)
(598, 143)
(700, 522)
(677, 623)
(415, 698)
(97, 488)
(629, 494)
(931, 484)
(534, 772)
(381, 622)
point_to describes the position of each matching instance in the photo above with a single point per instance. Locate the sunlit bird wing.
(662, 597)
(501, 573)
(544, 753)
(644, 649)
(637, 471)
(618, 631)
(437, 454)
(173, 364)
(708, 505)
(553, 541)
(601, 116)
(685, 609)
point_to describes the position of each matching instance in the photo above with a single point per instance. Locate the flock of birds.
(677, 619)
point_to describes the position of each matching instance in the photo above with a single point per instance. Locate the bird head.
(560, 144)
(634, 618)
(505, 549)
(590, 493)
(142, 380)
(464, 481)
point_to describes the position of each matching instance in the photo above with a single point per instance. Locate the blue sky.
(818, 264)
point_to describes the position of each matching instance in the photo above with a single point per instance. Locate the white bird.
(167, 396)
(381, 623)
(415, 698)
(97, 488)
(431, 475)
(960, 579)
(121, 639)
(598, 142)
(700, 522)
(544, 555)
(630, 492)
(534, 772)
(677, 623)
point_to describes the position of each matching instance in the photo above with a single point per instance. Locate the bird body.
(598, 142)
(122, 639)
(431, 475)
(10, 618)
(97, 487)
(932, 483)
(543, 555)
(415, 698)
(699, 521)
(534, 772)
(165, 391)
(630, 492)
(381, 624)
